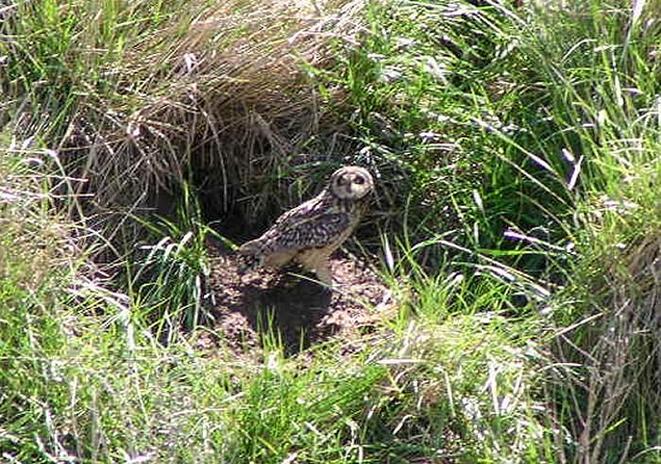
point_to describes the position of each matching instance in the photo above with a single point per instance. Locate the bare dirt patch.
(289, 304)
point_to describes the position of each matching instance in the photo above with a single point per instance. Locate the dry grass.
(609, 362)
(33, 241)
(217, 96)
(228, 119)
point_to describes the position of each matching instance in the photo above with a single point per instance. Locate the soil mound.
(289, 304)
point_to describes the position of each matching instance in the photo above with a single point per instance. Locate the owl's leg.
(320, 264)
(323, 272)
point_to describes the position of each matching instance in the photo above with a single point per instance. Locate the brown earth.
(297, 309)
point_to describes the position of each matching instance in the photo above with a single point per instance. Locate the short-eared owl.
(309, 233)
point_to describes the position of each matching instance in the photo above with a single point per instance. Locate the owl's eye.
(359, 180)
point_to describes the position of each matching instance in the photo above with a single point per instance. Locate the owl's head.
(351, 183)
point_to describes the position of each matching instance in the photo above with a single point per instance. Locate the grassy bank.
(517, 224)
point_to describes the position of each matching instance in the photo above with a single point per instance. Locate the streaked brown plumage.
(309, 233)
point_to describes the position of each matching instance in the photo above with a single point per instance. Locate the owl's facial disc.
(351, 182)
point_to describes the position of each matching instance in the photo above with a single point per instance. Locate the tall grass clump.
(168, 277)
(556, 111)
(603, 99)
(139, 98)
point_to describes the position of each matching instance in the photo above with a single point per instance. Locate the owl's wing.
(317, 231)
(302, 212)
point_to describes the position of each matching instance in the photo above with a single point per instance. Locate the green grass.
(175, 299)
(517, 223)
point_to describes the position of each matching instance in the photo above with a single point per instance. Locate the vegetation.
(517, 224)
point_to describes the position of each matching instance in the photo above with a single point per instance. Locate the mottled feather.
(310, 232)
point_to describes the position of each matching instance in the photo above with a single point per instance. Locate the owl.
(309, 233)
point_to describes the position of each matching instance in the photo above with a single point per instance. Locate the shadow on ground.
(289, 305)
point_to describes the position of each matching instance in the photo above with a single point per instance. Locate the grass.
(176, 298)
(517, 223)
